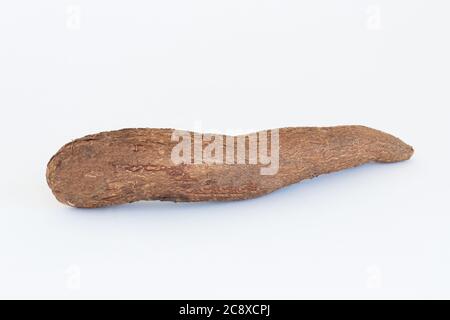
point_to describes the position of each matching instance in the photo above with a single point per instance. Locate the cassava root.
(128, 165)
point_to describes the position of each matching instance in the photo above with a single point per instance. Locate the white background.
(70, 68)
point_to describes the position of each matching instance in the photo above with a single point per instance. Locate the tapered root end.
(396, 153)
(387, 148)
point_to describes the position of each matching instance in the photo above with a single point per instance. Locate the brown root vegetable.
(129, 165)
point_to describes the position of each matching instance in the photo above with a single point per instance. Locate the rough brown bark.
(128, 165)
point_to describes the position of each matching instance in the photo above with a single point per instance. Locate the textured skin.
(128, 165)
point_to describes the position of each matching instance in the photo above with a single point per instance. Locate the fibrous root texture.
(117, 167)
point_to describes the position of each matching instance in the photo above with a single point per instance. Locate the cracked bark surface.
(128, 165)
